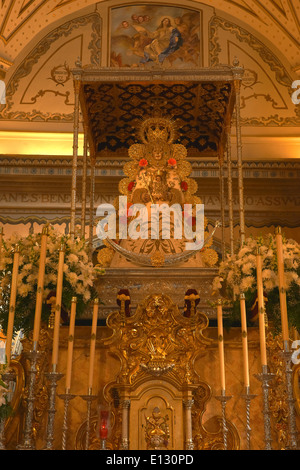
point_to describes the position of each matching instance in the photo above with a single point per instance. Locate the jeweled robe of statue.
(157, 182)
(158, 173)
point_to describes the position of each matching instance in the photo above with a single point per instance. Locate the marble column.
(125, 424)
(187, 404)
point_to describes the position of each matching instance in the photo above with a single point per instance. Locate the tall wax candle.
(244, 340)
(93, 344)
(71, 344)
(12, 303)
(221, 344)
(40, 288)
(59, 287)
(282, 287)
(261, 309)
(1, 247)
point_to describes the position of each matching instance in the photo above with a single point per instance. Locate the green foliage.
(78, 278)
(237, 274)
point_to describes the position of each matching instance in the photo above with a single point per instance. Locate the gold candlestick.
(89, 398)
(67, 397)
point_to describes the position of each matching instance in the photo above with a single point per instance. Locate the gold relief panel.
(160, 418)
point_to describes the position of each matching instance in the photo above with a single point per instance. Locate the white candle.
(93, 344)
(1, 246)
(12, 304)
(282, 288)
(59, 287)
(261, 310)
(40, 288)
(244, 340)
(71, 343)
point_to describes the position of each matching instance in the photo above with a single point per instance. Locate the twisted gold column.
(92, 199)
(84, 181)
(230, 193)
(75, 158)
(222, 201)
(237, 85)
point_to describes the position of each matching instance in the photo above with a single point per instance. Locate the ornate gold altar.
(157, 399)
(156, 361)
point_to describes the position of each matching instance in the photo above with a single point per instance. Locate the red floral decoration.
(184, 186)
(172, 162)
(143, 162)
(131, 186)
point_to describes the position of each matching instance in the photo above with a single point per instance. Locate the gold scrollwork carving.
(158, 332)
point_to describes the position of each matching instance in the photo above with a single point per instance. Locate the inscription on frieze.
(209, 201)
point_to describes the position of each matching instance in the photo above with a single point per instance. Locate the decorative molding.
(268, 57)
(60, 166)
(39, 50)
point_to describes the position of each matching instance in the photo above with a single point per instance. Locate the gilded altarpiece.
(158, 399)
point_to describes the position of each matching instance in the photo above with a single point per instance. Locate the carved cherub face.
(157, 154)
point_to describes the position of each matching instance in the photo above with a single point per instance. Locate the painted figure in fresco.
(154, 38)
(166, 40)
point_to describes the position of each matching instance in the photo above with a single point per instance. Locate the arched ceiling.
(41, 40)
(276, 20)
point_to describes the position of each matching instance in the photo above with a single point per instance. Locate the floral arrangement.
(237, 274)
(5, 407)
(79, 274)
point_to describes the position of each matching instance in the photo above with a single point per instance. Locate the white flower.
(80, 289)
(290, 276)
(269, 254)
(247, 268)
(87, 296)
(27, 267)
(50, 278)
(247, 283)
(73, 279)
(243, 251)
(72, 258)
(269, 284)
(24, 289)
(267, 274)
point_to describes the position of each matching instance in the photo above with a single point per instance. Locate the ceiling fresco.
(277, 20)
